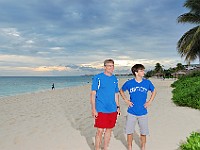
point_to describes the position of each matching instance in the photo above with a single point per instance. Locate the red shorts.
(105, 120)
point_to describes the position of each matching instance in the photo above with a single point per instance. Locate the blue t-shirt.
(105, 87)
(138, 95)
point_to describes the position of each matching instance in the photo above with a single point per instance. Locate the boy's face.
(109, 68)
(140, 73)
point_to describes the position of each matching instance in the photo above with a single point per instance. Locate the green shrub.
(186, 91)
(193, 142)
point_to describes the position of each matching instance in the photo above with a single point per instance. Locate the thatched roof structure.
(179, 73)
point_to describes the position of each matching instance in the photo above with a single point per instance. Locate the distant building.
(159, 75)
(188, 69)
(192, 66)
(179, 73)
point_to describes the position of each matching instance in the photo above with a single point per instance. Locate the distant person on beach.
(104, 100)
(163, 77)
(138, 88)
(53, 87)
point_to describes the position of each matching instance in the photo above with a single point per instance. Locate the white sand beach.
(61, 120)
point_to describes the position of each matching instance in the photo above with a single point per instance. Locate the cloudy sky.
(74, 37)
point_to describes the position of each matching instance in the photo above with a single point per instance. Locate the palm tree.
(179, 66)
(189, 44)
(158, 68)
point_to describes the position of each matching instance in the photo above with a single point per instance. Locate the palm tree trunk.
(199, 58)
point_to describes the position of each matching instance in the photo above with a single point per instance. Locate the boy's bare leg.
(98, 138)
(129, 140)
(143, 141)
(107, 136)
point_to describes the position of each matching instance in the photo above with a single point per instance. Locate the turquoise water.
(15, 85)
(18, 85)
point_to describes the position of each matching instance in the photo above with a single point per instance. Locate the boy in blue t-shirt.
(137, 105)
(104, 100)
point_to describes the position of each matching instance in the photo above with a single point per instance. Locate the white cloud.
(16, 60)
(10, 32)
(30, 42)
(50, 68)
(57, 48)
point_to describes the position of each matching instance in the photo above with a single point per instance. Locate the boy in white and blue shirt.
(138, 88)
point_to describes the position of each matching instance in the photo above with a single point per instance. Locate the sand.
(61, 120)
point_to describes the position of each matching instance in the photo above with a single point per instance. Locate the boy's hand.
(130, 104)
(94, 114)
(118, 111)
(147, 104)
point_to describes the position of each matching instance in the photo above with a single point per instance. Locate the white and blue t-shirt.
(138, 95)
(105, 87)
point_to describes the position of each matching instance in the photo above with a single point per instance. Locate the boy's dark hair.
(108, 61)
(137, 67)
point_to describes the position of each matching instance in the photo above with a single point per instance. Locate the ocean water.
(11, 85)
(15, 85)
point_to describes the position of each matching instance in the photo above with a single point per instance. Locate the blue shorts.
(142, 121)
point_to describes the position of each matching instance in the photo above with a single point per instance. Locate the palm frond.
(194, 5)
(186, 38)
(196, 37)
(192, 54)
(189, 42)
(188, 45)
(189, 17)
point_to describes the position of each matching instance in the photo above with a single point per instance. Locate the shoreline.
(61, 119)
(40, 91)
(44, 89)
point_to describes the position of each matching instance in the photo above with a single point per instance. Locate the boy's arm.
(125, 98)
(117, 98)
(148, 103)
(117, 102)
(92, 102)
